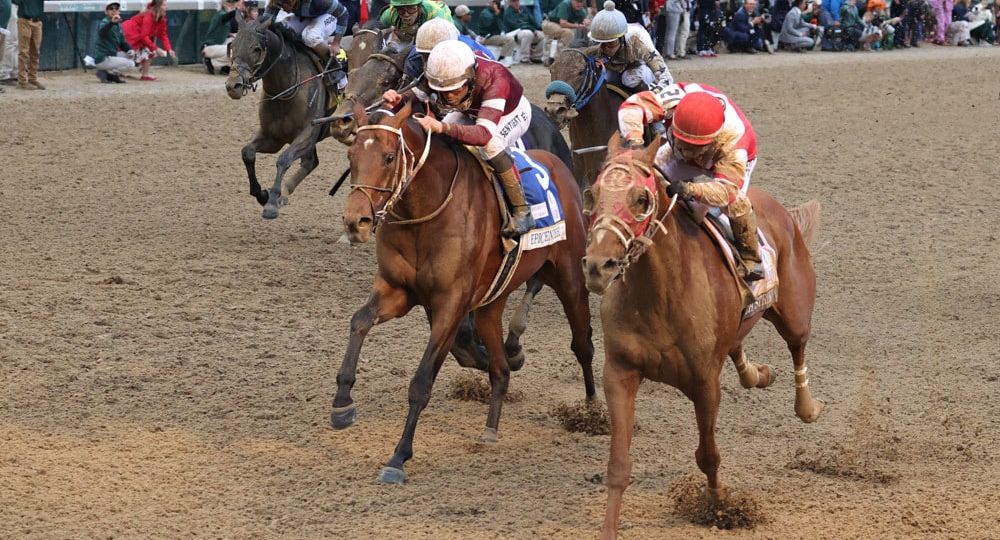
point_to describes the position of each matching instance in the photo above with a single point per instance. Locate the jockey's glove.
(681, 189)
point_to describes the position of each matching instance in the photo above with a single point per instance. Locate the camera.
(766, 17)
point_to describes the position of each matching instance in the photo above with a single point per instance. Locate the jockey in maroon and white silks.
(709, 138)
(488, 110)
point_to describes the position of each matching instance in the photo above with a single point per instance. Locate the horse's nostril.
(365, 222)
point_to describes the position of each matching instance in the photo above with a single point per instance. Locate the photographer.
(795, 30)
(112, 53)
(746, 31)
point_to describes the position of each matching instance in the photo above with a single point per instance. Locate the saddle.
(543, 197)
(757, 295)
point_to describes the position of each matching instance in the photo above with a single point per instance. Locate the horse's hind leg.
(567, 280)
(259, 143)
(308, 163)
(620, 387)
(791, 317)
(295, 151)
(752, 375)
(489, 326)
(384, 303)
(468, 349)
(519, 323)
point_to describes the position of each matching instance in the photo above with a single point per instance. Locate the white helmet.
(608, 25)
(451, 64)
(433, 32)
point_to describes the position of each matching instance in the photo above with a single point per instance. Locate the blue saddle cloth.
(539, 190)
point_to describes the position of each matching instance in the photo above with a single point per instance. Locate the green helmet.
(400, 3)
(608, 25)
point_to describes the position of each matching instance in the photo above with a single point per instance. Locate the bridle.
(250, 80)
(353, 97)
(593, 79)
(402, 175)
(635, 245)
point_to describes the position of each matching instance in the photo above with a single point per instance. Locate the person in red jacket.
(141, 32)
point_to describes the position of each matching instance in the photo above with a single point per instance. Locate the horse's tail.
(806, 217)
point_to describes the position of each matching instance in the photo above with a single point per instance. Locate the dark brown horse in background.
(672, 311)
(438, 246)
(294, 94)
(578, 96)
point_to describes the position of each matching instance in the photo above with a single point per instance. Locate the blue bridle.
(593, 80)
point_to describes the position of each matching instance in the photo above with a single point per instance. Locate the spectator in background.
(704, 16)
(520, 25)
(913, 22)
(795, 31)
(112, 54)
(566, 21)
(4, 36)
(221, 29)
(677, 27)
(142, 31)
(251, 10)
(942, 15)
(985, 34)
(745, 32)
(491, 35)
(833, 8)
(29, 43)
(8, 54)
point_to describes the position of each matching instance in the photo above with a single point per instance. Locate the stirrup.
(520, 223)
(752, 271)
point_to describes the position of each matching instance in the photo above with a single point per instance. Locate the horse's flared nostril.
(365, 223)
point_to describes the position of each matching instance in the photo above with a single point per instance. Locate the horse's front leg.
(259, 143)
(445, 317)
(621, 384)
(300, 147)
(385, 303)
(519, 323)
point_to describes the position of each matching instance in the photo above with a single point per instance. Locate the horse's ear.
(614, 144)
(355, 28)
(266, 23)
(360, 116)
(403, 115)
(386, 32)
(649, 154)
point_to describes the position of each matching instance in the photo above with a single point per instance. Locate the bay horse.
(294, 94)
(579, 96)
(383, 70)
(438, 246)
(672, 311)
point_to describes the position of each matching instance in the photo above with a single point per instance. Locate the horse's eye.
(257, 49)
(389, 158)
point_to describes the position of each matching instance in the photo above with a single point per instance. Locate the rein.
(635, 246)
(593, 80)
(404, 173)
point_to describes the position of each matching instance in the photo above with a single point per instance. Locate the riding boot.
(521, 220)
(745, 236)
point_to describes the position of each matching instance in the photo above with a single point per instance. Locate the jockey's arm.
(638, 111)
(659, 68)
(339, 11)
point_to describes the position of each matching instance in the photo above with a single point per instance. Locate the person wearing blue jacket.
(744, 32)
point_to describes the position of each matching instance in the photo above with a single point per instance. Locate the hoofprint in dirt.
(167, 358)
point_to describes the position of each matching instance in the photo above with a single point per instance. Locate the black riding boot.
(745, 235)
(521, 220)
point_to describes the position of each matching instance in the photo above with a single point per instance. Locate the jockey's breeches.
(313, 31)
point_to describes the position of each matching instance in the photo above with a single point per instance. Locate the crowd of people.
(752, 26)
(525, 31)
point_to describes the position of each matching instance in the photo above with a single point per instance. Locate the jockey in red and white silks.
(710, 138)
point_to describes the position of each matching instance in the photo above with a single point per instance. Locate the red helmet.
(698, 118)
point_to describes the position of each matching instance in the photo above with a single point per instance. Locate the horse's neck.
(282, 65)
(594, 125)
(431, 185)
(662, 266)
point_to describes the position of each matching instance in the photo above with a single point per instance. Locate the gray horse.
(294, 94)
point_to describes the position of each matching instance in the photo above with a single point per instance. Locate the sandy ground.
(167, 358)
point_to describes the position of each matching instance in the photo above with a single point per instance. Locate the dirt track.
(167, 358)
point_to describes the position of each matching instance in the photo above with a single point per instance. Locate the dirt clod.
(475, 387)
(584, 417)
(736, 510)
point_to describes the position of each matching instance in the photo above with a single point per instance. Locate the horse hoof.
(344, 417)
(262, 198)
(392, 475)
(812, 415)
(773, 373)
(516, 362)
(283, 201)
(270, 212)
(490, 436)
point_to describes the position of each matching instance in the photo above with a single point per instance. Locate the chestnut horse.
(438, 246)
(671, 308)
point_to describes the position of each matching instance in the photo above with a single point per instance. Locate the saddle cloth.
(546, 208)
(757, 295)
